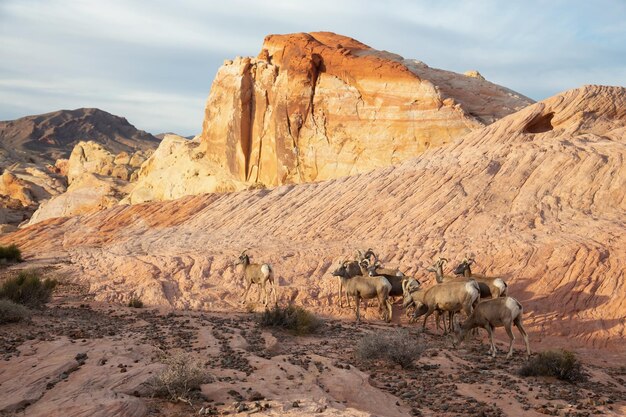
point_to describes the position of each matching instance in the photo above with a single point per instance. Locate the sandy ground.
(81, 357)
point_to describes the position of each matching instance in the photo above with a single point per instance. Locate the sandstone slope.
(538, 196)
(319, 106)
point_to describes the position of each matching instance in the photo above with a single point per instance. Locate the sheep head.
(243, 259)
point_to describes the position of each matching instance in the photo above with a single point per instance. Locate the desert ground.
(85, 357)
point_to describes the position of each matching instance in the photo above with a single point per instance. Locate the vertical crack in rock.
(247, 117)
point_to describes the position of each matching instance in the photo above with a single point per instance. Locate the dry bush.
(294, 319)
(11, 312)
(135, 302)
(397, 347)
(10, 253)
(182, 375)
(28, 289)
(561, 364)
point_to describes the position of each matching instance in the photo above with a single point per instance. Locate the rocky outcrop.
(91, 157)
(97, 180)
(179, 168)
(22, 187)
(320, 105)
(538, 196)
(34, 152)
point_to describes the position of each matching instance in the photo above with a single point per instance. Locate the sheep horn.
(244, 252)
(445, 260)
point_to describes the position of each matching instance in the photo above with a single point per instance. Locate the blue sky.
(153, 62)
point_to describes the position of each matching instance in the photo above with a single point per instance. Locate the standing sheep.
(260, 274)
(497, 312)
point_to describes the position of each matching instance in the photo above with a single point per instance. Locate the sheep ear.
(430, 269)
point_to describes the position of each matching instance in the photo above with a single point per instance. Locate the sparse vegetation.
(561, 364)
(135, 302)
(11, 312)
(183, 375)
(28, 289)
(294, 319)
(10, 253)
(397, 347)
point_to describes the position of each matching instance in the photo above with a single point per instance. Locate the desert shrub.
(135, 302)
(562, 364)
(294, 319)
(28, 289)
(397, 347)
(182, 376)
(10, 253)
(11, 312)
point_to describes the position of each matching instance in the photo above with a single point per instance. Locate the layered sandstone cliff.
(320, 105)
(538, 196)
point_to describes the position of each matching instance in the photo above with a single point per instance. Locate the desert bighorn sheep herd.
(482, 299)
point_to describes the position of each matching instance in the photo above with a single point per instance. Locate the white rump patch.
(266, 270)
(471, 288)
(512, 304)
(500, 284)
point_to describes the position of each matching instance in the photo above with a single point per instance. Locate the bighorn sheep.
(260, 274)
(375, 269)
(414, 297)
(496, 287)
(366, 287)
(394, 276)
(353, 269)
(497, 312)
(437, 268)
(449, 296)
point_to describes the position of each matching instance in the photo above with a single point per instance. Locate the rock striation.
(539, 197)
(317, 106)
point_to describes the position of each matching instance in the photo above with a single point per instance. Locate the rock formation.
(33, 152)
(318, 106)
(179, 168)
(539, 197)
(97, 180)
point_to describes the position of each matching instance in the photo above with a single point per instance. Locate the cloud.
(153, 62)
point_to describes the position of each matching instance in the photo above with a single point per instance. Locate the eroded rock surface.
(538, 196)
(318, 106)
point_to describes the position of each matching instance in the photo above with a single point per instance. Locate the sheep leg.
(507, 327)
(428, 313)
(274, 290)
(390, 310)
(263, 293)
(357, 300)
(492, 350)
(341, 294)
(245, 293)
(520, 327)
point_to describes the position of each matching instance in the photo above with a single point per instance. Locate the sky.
(153, 61)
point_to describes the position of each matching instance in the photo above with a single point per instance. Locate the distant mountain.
(162, 135)
(47, 137)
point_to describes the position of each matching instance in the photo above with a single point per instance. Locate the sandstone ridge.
(538, 196)
(319, 106)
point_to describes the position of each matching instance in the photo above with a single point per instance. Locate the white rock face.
(178, 168)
